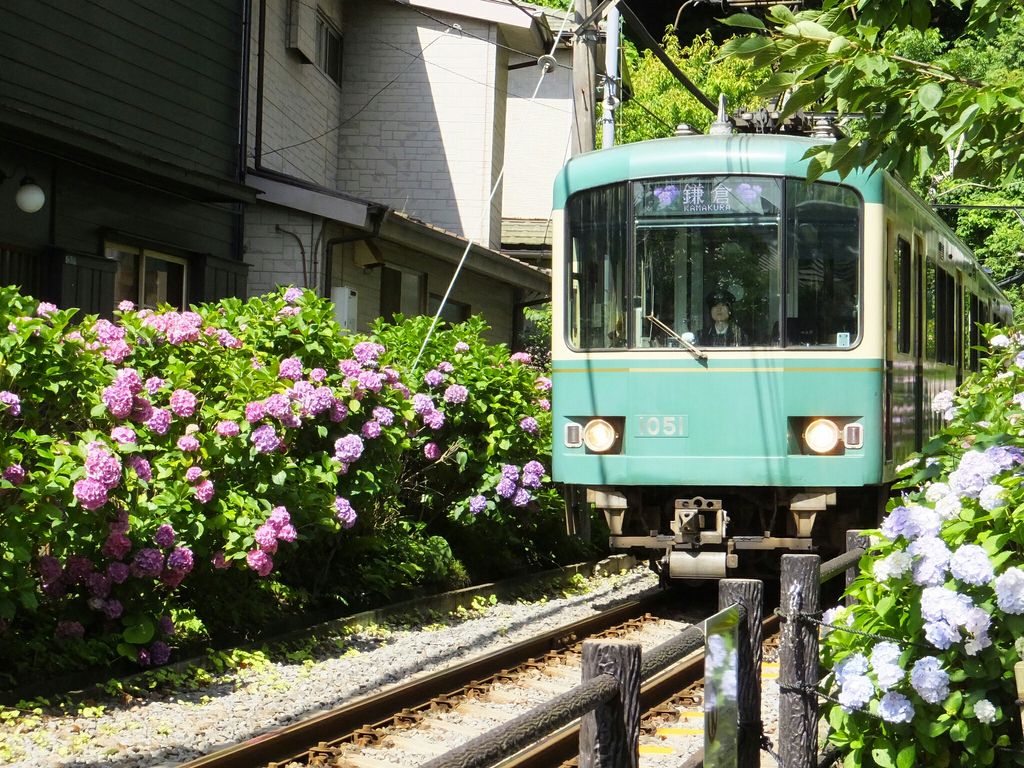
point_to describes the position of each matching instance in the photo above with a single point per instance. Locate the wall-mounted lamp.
(30, 197)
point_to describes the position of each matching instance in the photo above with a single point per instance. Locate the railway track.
(415, 722)
(342, 734)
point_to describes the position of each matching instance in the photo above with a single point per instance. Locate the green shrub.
(244, 459)
(940, 599)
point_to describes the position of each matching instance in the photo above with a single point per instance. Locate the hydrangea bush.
(941, 593)
(146, 460)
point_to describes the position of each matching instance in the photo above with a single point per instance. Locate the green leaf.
(929, 95)
(139, 634)
(907, 757)
(838, 43)
(959, 731)
(279, 478)
(744, 21)
(882, 754)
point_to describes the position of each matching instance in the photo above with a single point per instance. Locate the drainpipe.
(261, 45)
(377, 214)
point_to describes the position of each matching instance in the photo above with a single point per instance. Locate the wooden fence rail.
(608, 699)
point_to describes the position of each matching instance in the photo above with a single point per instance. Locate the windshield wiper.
(689, 347)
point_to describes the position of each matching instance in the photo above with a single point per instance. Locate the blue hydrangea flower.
(895, 708)
(893, 566)
(856, 692)
(1010, 591)
(854, 665)
(974, 471)
(930, 680)
(911, 523)
(931, 556)
(970, 564)
(991, 497)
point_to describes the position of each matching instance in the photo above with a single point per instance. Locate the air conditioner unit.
(345, 301)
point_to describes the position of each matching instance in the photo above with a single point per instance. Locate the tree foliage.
(956, 109)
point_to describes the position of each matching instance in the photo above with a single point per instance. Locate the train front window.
(706, 262)
(718, 261)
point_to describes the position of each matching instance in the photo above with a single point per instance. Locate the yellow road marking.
(692, 714)
(654, 749)
(676, 731)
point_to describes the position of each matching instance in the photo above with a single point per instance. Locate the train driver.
(723, 331)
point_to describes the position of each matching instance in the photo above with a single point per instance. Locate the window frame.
(143, 254)
(327, 33)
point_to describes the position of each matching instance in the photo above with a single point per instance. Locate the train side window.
(597, 289)
(945, 319)
(904, 287)
(930, 324)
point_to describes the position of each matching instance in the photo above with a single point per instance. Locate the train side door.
(903, 398)
(918, 313)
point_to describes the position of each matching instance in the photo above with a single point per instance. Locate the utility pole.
(583, 80)
(611, 75)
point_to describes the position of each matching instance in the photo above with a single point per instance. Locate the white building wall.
(301, 104)
(419, 105)
(278, 242)
(537, 136)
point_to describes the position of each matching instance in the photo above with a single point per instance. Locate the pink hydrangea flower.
(266, 537)
(433, 378)
(227, 429)
(279, 518)
(14, 474)
(123, 435)
(544, 404)
(287, 532)
(292, 294)
(126, 306)
(456, 393)
(259, 561)
(461, 346)
(255, 411)
(183, 403)
(317, 375)
(367, 352)
(101, 465)
(193, 473)
(434, 419)
(188, 443)
(204, 491)
(117, 545)
(118, 399)
(542, 383)
(290, 368)
(371, 430)
(289, 311)
(520, 357)
(432, 451)
(218, 561)
(164, 536)
(159, 421)
(344, 512)
(141, 467)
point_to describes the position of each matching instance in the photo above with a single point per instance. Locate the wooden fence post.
(854, 539)
(750, 594)
(610, 735)
(798, 662)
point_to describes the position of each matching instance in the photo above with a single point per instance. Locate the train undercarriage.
(713, 533)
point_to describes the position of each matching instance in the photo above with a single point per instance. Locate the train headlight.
(821, 435)
(599, 436)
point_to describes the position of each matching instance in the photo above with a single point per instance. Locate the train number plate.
(661, 426)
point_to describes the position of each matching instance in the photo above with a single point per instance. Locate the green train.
(741, 359)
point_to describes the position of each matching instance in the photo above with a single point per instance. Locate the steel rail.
(292, 741)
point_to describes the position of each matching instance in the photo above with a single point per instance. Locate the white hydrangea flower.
(985, 711)
(936, 491)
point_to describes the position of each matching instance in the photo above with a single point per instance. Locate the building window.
(148, 278)
(328, 48)
(453, 312)
(402, 292)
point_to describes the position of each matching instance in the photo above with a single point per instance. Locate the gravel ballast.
(172, 727)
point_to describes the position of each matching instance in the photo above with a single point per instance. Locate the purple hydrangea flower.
(520, 357)
(433, 378)
(344, 512)
(113, 609)
(384, 415)
(255, 411)
(911, 523)
(434, 419)
(166, 625)
(544, 404)
(529, 425)
(521, 498)
(510, 471)
(118, 572)
(348, 448)
(478, 503)
(119, 400)
(159, 421)
(422, 404)
(183, 403)
(181, 559)
(266, 537)
(14, 474)
(164, 535)
(226, 428)
(159, 652)
(370, 380)
(154, 384)
(506, 488)
(367, 352)
(349, 367)
(91, 494)
(117, 545)
(193, 473)
(147, 563)
(317, 375)
(456, 393)
(265, 439)
(12, 401)
(290, 368)
(371, 429)
(69, 629)
(931, 558)
(461, 346)
(292, 294)
(141, 467)
(103, 466)
(973, 473)
(432, 451)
